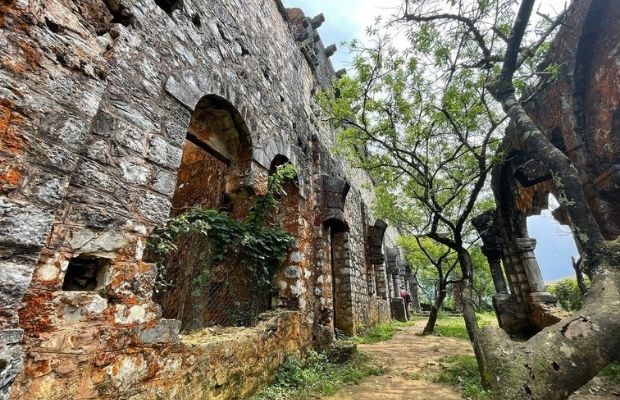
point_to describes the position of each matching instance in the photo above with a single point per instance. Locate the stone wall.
(579, 113)
(99, 103)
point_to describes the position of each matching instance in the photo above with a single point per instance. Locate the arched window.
(216, 158)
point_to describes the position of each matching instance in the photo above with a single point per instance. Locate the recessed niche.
(169, 5)
(85, 273)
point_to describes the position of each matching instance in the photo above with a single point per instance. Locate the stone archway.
(217, 156)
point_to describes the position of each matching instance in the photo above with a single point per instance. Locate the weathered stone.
(154, 207)
(342, 352)
(166, 331)
(163, 153)
(14, 280)
(23, 225)
(109, 113)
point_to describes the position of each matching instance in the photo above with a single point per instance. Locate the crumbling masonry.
(115, 115)
(580, 114)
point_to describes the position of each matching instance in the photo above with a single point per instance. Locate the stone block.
(48, 153)
(542, 297)
(104, 124)
(134, 171)
(64, 129)
(14, 280)
(45, 187)
(11, 358)
(11, 336)
(130, 137)
(165, 182)
(23, 225)
(91, 217)
(90, 241)
(164, 153)
(397, 306)
(91, 174)
(154, 207)
(166, 331)
(74, 307)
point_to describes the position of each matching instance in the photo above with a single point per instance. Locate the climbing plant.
(259, 242)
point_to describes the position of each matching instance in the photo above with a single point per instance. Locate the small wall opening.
(169, 5)
(85, 273)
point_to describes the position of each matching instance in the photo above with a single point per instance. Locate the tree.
(436, 263)
(428, 141)
(482, 282)
(505, 43)
(422, 121)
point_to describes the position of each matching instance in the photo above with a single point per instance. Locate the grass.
(454, 326)
(612, 373)
(462, 371)
(381, 332)
(299, 379)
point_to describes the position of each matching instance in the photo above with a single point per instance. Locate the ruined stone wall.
(580, 114)
(96, 100)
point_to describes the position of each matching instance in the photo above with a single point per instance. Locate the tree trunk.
(432, 318)
(563, 357)
(583, 289)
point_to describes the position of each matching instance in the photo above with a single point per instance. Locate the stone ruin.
(580, 114)
(115, 115)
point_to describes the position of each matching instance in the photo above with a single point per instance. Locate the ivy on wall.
(259, 242)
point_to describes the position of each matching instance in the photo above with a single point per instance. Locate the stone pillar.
(396, 285)
(525, 247)
(371, 280)
(494, 256)
(381, 278)
(399, 313)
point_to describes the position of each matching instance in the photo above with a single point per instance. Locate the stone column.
(381, 277)
(494, 256)
(525, 247)
(396, 284)
(371, 280)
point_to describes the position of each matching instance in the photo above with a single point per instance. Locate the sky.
(346, 20)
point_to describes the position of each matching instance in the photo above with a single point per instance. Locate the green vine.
(259, 242)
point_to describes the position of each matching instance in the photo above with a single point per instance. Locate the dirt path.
(405, 356)
(409, 356)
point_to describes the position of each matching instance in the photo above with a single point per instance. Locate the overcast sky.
(348, 19)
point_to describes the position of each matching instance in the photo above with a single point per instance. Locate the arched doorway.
(216, 159)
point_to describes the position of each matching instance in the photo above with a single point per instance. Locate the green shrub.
(568, 294)
(300, 379)
(259, 242)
